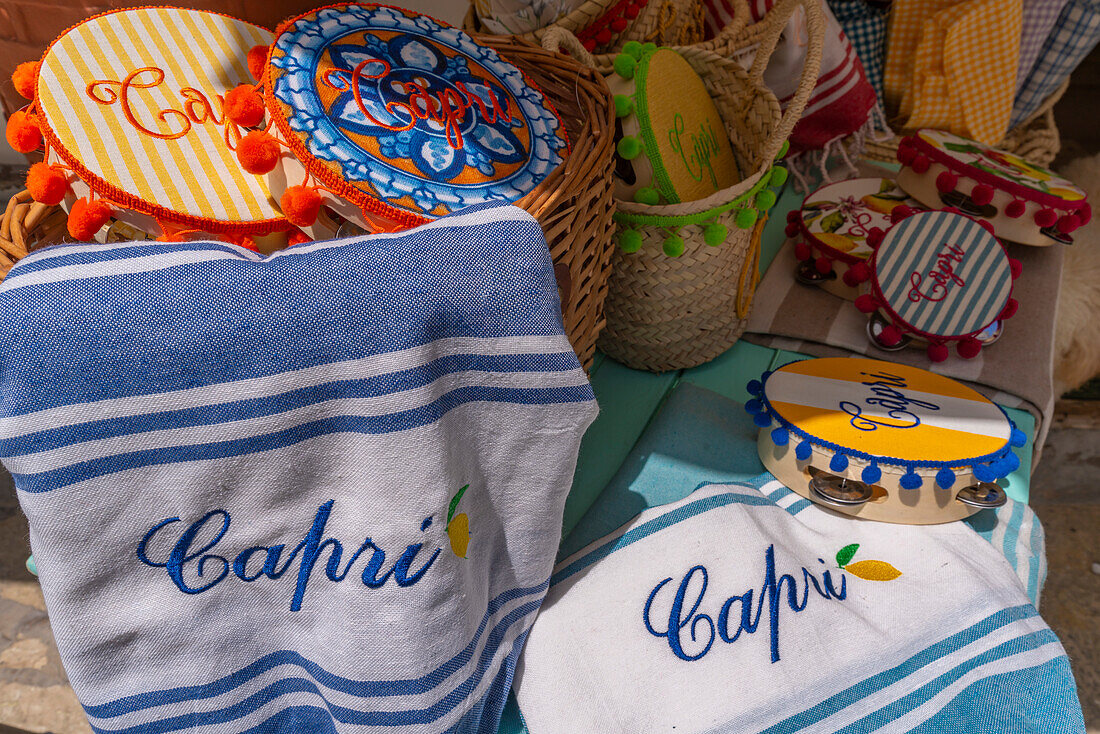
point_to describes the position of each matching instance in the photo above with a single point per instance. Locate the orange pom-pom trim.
(257, 61)
(46, 184)
(244, 106)
(23, 78)
(87, 218)
(22, 132)
(297, 237)
(300, 205)
(258, 152)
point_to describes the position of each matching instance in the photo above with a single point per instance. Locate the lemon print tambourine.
(672, 143)
(936, 278)
(883, 441)
(129, 108)
(832, 227)
(1024, 202)
(388, 119)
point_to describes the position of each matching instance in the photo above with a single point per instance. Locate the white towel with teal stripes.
(744, 608)
(319, 491)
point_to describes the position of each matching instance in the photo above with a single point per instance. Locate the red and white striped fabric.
(843, 99)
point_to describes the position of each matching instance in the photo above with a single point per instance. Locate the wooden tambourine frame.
(1018, 213)
(899, 491)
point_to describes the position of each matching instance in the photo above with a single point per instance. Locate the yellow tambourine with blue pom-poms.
(883, 441)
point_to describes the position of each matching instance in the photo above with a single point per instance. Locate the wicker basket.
(28, 225)
(1035, 139)
(574, 204)
(664, 22)
(666, 313)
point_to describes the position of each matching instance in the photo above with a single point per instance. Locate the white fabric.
(950, 644)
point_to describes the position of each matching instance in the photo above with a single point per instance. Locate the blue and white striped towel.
(318, 491)
(744, 608)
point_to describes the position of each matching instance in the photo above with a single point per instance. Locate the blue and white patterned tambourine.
(405, 117)
(942, 277)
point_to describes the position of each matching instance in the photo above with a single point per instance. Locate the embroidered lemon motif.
(836, 241)
(458, 526)
(869, 570)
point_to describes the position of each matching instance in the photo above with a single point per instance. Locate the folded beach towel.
(1074, 35)
(739, 608)
(318, 491)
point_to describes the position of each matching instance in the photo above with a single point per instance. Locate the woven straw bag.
(666, 313)
(605, 25)
(573, 204)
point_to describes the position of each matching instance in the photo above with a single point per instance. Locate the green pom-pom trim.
(778, 176)
(649, 47)
(765, 200)
(783, 150)
(630, 240)
(623, 105)
(624, 65)
(674, 245)
(714, 234)
(648, 196)
(633, 48)
(746, 218)
(629, 147)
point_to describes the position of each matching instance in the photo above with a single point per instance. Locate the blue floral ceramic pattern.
(389, 82)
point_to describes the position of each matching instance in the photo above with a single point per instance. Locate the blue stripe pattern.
(102, 337)
(962, 309)
(364, 336)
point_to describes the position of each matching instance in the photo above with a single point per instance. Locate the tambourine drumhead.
(1017, 190)
(131, 100)
(942, 274)
(405, 117)
(836, 219)
(887, 414)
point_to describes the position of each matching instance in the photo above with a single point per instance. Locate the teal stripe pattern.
(943, 274)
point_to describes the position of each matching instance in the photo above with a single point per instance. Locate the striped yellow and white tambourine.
(129, 107)
(883, 441)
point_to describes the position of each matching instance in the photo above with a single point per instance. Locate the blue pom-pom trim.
(994, 466)
(985, 473)
(910, 480)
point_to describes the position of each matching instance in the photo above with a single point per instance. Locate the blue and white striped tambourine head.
(942, 275)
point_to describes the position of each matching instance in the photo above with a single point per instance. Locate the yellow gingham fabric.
(951, 65)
